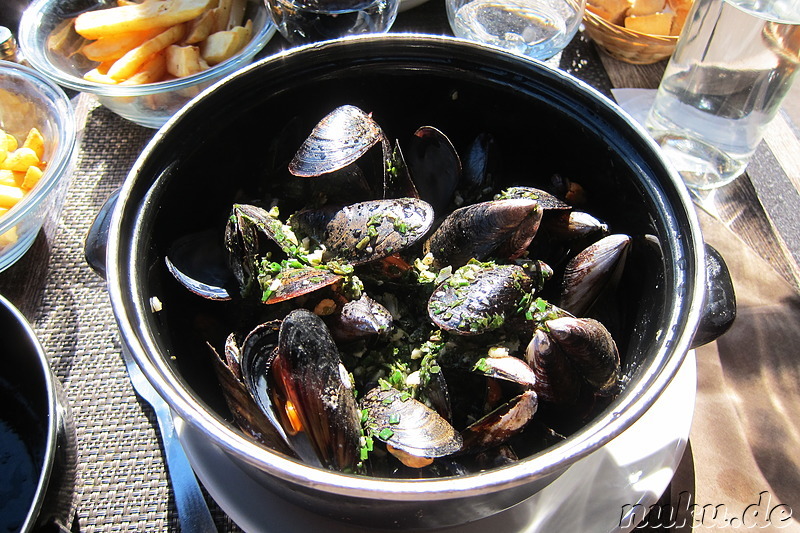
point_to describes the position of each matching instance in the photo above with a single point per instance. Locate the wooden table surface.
(759, 208)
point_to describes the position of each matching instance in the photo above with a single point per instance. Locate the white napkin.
(636, 102)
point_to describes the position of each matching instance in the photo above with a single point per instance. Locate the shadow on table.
(23, 282)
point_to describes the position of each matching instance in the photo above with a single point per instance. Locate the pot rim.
(128, 304)
(52, 422)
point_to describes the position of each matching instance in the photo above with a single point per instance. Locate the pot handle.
(94, 247)
(719, 305)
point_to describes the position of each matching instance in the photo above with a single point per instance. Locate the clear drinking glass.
(305, 21)
(734, 63)
(535, 28)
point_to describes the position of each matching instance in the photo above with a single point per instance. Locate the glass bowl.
(49, 43)
(539, 29)
(29, 99)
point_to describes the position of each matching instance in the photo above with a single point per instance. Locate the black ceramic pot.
(545, 121)
(37, 433)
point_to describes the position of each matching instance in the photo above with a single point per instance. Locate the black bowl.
(545, 121)
(37, 434)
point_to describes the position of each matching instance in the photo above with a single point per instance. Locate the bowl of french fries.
(636, 31)
(142, 59)
(37, 147)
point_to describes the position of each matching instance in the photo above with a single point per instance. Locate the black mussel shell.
(404, 423)
(480, 299)
(313, 394)
(434, 165)
(501, 424)
(557, 379)
(368, 231)
(589, 345)
(338, 140)
(478, 230)
(592, 270)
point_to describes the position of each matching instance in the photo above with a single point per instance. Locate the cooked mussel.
(366, 231)
(442, 315)
(592, 270)
(413, 432)
(557, 379)
(306, 385)
(476, 231)
(479, 297)
(338, 140)
(501, 424)
(590, 347)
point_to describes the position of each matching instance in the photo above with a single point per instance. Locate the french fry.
(152, 70)
(221, 15)
(10, 178)
(20, 159)
(139, 17)
(9, 196)
(10, 236)
(200, 28)
(11, 142)
(125, 51)
(224, 44)
(184, 61)
(127, 65)
(96, 75)
(655, 24)
(646, 7)
(236, 14)
(99, 74)
(31, 178)
(35, 142)
(113, 47)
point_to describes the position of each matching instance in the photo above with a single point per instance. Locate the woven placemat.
(121, 482)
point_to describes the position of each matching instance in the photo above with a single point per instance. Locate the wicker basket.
(628, 45)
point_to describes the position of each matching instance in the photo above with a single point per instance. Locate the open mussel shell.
(313, 394)
(406, 424)
(294, 282)
(246, 396)
(338, 140)
(557, 379)
(508, 368)
(480, 169)
(592, 270)
(434, 165)
(198, 261)
(250, 234)
(501, 424)
(479, 299)
(358, 319)
(572, 225)
(589, 345)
